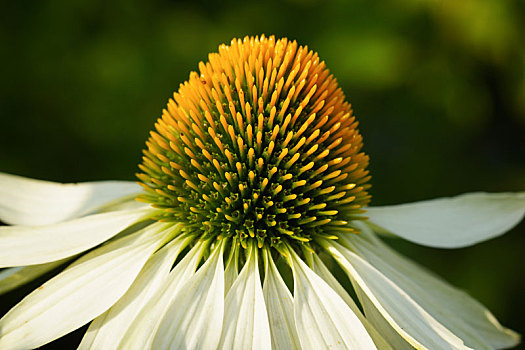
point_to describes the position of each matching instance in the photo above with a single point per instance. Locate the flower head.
(255, 172)
(260, 145)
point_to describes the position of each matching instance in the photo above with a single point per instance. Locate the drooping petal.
(279, 303)
(320, 269)
(14, 277)
(455, 309)
(404, 315)
(30, 245)
(31, 202)
(79, 294)
(195, 316)
(452, 222)
(245, 319)
(141, 332)
(322, 318)
(107, 330)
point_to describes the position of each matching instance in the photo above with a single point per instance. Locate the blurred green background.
(438, 87)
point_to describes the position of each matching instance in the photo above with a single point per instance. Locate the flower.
(255, 171)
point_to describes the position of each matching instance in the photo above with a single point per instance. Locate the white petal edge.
(455, 309)
(195, 316)
(25, 201)
(404, 315)
(78, 294)
(107, 330)
(453, 222)
(279, 303)
(141, 332)
(245, 319)
(14, 277)
(30, 245)
(320, 269)
(322, 318)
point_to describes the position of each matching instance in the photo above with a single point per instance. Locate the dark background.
(438, 87)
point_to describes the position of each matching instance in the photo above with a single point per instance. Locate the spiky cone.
(260, 144)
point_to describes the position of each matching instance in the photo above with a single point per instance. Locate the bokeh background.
(438, 87)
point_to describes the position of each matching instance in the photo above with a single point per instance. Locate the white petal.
(245, 318)
(382, 324)
(195, 316)
(30, 245)
(279, 303)
(14, 277)
(452, 222)
(232, 269)
(322, 318)
(26, 201)
(403, 314)
(320, 269)
(323, 272)
(455, 309)
(141, 332)
(77, 295)
(108, 329)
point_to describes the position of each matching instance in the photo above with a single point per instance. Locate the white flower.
(233, 199)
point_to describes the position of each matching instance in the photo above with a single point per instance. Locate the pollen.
(259, 145)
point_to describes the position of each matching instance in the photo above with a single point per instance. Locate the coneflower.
(255, 172)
